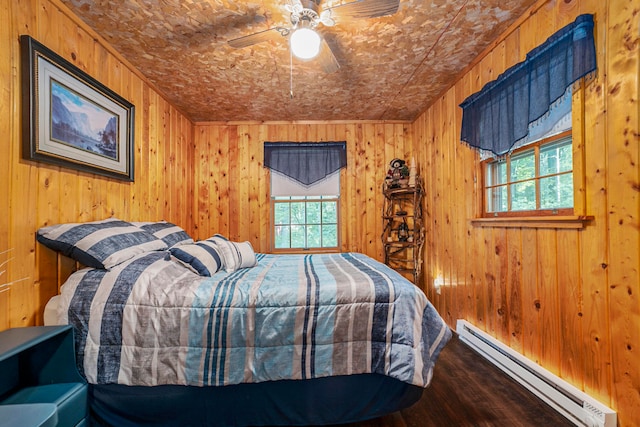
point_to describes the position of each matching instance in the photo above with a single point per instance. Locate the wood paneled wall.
(567, 299)
(231, 194)
(34, 194)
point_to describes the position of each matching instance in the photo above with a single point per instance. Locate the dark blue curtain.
(498, 116)
(306, 162)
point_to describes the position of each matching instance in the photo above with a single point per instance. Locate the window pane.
(497, 199)
(282, 237)
(298, 236)
(281, 213)
(314, 236)
(329, 212)
(523, 196)
(496, 173)
(556, 192)
(538, 177)
(556, 158)
(305, 224)
(313, 212)
(298, 213)
(566, 157)
(523, 166)
(329, 236)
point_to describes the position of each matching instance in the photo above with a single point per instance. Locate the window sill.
(298, 251)
(571, 222)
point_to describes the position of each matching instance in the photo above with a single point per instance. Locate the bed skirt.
(320, 401)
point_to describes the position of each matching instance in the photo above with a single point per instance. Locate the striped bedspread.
(151, 321)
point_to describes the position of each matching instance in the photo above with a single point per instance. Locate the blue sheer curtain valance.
(305, 162)
(499, 116)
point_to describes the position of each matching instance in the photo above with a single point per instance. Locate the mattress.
(152, 321)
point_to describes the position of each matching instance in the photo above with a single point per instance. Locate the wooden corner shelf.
(403, 230)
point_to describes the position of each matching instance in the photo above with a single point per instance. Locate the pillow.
(202, 257)
(171, 234)
(236, 255)
(99, 244)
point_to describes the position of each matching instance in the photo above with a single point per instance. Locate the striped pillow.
(236, 254)
(203, 257)
(171, 234)
(99, 244)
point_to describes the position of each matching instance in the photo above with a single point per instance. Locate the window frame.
(294, 199)
(536, 147)
(579, 219)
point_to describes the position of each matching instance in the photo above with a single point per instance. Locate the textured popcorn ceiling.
(391, 67)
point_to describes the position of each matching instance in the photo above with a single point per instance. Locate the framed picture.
(72, 120)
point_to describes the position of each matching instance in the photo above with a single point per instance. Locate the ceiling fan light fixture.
(305, 43)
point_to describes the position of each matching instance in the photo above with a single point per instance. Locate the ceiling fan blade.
(326, 19)
(365, 9)
(262, 36)
(296, 6)
(327, 59)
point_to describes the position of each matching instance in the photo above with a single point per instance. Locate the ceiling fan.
(306, 16)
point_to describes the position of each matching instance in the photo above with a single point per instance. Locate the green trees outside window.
(305, 222)
(535, 180)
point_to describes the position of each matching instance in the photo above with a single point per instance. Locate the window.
(305, 218)
(534, 180)
(305, 222)
(516, 116)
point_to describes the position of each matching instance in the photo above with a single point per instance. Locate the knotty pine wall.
(567, 299)
(231, 194)
(34, 194)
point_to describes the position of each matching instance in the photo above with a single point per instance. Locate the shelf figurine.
(398, 174)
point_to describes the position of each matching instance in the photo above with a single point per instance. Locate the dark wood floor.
(467, 390)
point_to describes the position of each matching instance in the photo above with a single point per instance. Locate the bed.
(169, 331)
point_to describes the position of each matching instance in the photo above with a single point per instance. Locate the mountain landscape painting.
(78, 122)
(72, 120)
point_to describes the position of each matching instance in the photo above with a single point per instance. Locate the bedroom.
(572, 304)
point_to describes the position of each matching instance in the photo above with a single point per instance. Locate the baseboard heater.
(577, 406)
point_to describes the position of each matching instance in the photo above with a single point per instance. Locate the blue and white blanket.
(152, 321)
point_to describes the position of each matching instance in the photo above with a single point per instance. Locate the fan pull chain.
(290, 74)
